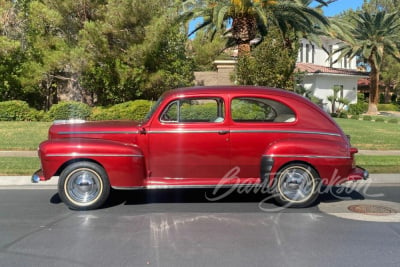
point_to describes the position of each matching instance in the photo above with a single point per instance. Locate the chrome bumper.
(358, 173)
(37, 177)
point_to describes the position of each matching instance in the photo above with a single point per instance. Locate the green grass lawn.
(18, 166)
(364, 135)
(372, 135)
(21, 135)
(379, 164)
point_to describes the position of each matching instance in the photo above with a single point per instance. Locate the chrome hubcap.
(83, 186)
(296, 184)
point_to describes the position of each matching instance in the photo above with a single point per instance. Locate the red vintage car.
(199, 138)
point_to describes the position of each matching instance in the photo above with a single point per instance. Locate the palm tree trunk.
(244, 29)
(373, 90)
(244, 49)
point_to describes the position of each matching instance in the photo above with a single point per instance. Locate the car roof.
(231, 90)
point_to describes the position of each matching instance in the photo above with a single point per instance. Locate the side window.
(194, 110)
(253, 109)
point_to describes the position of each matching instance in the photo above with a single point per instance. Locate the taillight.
(353, 151)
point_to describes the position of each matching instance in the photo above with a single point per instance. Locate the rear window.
(253, 109)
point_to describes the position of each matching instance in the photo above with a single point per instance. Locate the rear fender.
(124, 164)
(330, 158)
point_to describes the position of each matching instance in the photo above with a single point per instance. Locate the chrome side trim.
(70, 121)
(92, 155)
(153, 187)
(184, 131)
(244, 131)
(285, 131)
(307, 156)
(99, 132)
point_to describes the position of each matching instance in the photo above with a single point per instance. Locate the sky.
(340, 6)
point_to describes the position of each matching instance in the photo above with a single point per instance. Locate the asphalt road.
(183, 228)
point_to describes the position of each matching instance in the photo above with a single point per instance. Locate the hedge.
(132, 110)
(17, 110)
(388, 107)
(69, 110)
(367, 118)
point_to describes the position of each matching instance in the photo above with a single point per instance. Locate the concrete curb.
(378, 153)
(22, 154)
(21, 182)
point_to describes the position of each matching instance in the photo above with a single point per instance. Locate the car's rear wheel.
(296, 186)
(84, 186)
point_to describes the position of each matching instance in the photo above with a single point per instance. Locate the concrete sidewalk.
(360, 152)
(25, 181)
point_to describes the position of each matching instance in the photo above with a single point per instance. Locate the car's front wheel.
(296, 186)
(84, 186)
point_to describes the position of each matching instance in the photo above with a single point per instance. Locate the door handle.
(222, 132)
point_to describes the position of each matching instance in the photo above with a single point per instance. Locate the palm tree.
(250, 18)
(369, 36)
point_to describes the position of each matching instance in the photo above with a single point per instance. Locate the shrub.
(343, 115)
(393, 98)
(69, 110)
(367, 118)
(393, 120)
(355, 117)
(132, 110)
(17, 110)
(388, 107)
(359, 108)
(380, 120)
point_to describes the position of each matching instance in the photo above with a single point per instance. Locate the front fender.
(331, 158)
(124, 164)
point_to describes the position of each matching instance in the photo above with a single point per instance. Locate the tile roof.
(312, 68)
(363, 82)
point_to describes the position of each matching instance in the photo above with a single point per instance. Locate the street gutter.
(21, 182)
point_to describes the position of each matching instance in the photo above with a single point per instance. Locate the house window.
(307, 53)
(330, 49)
(312, 53)
(301, 52)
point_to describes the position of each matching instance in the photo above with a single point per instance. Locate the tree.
(342, 101)
(98, 51)
(46, 52)
(269, 64)
(204, 52)
(370, 36)
(390, 70)
(132, 51)
(10, 51)
(372, 6)
(252, 18)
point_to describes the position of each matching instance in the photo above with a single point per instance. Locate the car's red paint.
(157, 153)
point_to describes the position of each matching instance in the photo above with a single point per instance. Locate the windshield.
(153, 109)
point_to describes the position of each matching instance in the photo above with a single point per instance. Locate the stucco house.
(322, 74)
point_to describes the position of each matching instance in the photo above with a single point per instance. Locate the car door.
(257, 122)
(190, 139)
